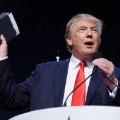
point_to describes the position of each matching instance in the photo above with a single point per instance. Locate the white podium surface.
(72, 113)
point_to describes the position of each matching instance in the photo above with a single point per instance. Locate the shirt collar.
(74, 62)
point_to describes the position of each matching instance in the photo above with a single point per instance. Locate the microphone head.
(97, 55)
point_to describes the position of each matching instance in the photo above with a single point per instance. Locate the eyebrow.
(86, 27)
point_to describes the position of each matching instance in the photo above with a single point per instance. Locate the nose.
(89, 33)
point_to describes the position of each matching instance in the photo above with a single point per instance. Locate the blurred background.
(42, 27)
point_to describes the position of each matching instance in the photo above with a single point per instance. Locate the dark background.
(42, 27)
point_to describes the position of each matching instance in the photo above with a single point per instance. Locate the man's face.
(84, 39)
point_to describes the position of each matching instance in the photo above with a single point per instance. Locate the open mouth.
(89, 44)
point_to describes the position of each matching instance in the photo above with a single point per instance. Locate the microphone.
(95, 56)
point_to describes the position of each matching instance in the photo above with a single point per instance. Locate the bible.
(8, 26)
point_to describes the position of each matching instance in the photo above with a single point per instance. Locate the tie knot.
(83, 64)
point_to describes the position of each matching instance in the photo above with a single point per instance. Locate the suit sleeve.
(117, 96)
(14, 96)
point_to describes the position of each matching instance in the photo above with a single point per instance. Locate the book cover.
(8, 26)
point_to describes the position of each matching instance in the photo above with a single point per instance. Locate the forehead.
(84, 22)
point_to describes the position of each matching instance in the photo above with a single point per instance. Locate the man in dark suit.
(50, 83)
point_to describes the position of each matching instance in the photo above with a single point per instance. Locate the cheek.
(78, 38)
(80, 35)
(97, 40)
(97, 45)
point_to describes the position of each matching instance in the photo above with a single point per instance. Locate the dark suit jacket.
(45, 87)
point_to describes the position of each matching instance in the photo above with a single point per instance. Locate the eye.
(94, 29)
(82, 29)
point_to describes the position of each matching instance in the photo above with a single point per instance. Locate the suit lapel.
(93, 86)
(60, 81)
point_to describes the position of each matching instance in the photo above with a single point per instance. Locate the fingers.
(3, 47)
(107, 71)
(104, 65)
(2, 38)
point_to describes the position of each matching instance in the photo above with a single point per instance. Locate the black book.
(8, 26)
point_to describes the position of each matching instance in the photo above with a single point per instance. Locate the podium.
(72, 113)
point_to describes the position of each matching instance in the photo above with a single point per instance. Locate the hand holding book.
(3, 48)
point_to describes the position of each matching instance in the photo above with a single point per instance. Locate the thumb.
(2, 38)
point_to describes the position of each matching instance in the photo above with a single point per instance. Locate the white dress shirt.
(72, 72)
(71, 76)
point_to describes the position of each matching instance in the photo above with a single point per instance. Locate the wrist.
(111, 86)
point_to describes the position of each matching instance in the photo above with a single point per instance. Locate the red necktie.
(79, 94)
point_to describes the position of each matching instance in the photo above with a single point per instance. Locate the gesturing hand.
(107, 69)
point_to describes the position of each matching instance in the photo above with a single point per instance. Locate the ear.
(69, 41)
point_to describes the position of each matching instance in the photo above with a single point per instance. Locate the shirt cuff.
(113, 93)
(3, 58)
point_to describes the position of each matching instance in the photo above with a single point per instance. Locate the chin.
(89, 56)
(90, 52)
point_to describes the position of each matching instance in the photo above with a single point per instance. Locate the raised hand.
(107, 68)
(3, 47)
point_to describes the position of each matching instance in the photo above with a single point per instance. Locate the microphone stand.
(65, 103)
